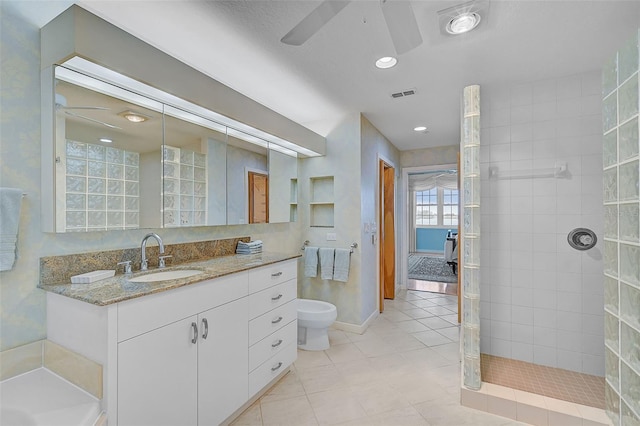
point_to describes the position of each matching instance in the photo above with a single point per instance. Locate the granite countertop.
(119, 288)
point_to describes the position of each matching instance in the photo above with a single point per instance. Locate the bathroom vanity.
(188, 351)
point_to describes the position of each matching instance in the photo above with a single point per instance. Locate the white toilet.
(314, 319)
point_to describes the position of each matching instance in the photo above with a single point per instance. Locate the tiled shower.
(546, 169)
(541, 300)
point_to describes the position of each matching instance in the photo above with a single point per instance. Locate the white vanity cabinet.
(193, 355)
(272, 322)
(156, 376)
(191, 371)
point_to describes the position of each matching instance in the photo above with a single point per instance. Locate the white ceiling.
(332, 74)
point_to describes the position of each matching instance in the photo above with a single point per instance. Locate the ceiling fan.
(398, 14)
(61, 105)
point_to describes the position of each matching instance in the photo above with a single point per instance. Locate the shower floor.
(555, 383)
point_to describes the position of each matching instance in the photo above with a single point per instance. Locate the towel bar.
(306, 243)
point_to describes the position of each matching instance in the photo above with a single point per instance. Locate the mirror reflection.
(102, 161)
(247, 179)
(194, 171)
(125, 161)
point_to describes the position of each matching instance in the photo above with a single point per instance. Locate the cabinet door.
(223, 362)
(157, 377)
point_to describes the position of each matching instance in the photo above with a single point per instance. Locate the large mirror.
(126, 161)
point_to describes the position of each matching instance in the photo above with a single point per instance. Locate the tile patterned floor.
(555, 383)
(404, 370)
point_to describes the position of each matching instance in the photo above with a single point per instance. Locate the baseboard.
(354, 328)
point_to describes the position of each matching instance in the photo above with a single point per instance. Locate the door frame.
(378, 233)
(407, 213)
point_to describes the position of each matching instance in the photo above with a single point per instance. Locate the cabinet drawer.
(270, 275)
(272, 344)
(265, 324)
(147, 313)
(268, 371)
(266, 300)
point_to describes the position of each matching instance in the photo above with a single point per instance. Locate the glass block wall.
(102, 188)
(621, 145)
(471, 236)
(185, 187)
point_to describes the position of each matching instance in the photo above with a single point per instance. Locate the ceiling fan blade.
(111, 126)
(313, 22)
(402, 25)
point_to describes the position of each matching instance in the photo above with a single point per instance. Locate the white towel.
(311, 262)
(10, 201)
(341, 265)
(326, 262)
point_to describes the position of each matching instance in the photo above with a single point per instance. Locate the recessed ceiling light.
(106, 140)
(463, 23)
(422, 129)
(134, 117)
(386, 62)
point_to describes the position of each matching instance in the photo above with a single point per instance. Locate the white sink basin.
(165, 275)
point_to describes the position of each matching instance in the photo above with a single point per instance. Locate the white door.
(223, 361)
(157, 377)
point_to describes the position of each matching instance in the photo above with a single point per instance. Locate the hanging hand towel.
(10, 200)
(326, 262)
(311, 262)
(341, 265)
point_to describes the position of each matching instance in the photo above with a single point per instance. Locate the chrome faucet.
(143, 249)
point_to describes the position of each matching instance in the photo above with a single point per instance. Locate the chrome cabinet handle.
(194, 327)
(277, 274)
(205, 324)
(275, 321)
(278, 297)
(276, 344)
(276, 367)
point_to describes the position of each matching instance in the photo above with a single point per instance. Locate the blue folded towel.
(10, 203)
(311, 262)
(326, 262)
(341, 265)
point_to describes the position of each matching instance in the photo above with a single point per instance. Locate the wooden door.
(387, 233)
(258, 197)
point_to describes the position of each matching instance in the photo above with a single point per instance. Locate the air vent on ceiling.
(404, 93)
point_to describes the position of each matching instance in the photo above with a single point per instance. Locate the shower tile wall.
(621, 145)
(541, 300)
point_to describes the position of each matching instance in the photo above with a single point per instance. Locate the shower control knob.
(582, 239)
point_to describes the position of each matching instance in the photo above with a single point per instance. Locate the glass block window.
(102, 188)
(185, 187)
